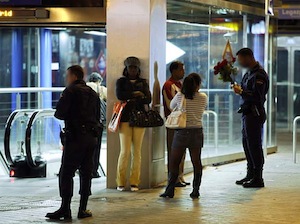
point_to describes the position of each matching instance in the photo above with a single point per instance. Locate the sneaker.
(134, 188)
(121, 188)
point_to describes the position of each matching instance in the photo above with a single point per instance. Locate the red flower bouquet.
(226, 70)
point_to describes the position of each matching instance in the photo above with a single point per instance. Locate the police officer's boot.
(169, 193)
(196, 185)
(64, 211)
(249, 176)
(82, 212)
(257, 181)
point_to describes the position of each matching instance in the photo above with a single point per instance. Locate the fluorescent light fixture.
(187, 23)
(173, 52)
(200, 25)
(96, 33)
(56, 28)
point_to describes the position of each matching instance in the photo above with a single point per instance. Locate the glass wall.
(200, 36)
(39, 57)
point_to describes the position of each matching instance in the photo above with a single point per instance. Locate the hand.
(138, 94)
(237, 89)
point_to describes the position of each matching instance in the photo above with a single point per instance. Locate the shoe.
(249, 176)
(84, 214)
(95, 175)
(121, 188)
(242, 181)
(254, 183)
(195, 194)
(170, 189)
(167, 195)
(59, 214)
(186, 183)
(196, 185)
(179, 184)
(134, 188)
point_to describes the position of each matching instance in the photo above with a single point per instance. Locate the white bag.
(177, 119)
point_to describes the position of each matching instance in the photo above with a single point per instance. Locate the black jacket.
(124, 91)
(255, 85)
(79, 106)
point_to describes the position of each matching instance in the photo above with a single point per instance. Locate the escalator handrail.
(12, 117)
(45, 113)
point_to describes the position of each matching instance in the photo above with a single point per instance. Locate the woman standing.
(190, 137)
(136, 91)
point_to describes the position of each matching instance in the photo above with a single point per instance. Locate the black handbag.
(145, 118)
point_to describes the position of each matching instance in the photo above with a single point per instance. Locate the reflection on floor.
(28, 200)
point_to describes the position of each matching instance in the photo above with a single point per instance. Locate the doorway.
(288, 82)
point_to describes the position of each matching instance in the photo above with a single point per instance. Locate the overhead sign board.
(52, 3)
(289, 13)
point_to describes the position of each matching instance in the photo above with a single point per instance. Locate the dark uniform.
(255, 85)
(79, 107)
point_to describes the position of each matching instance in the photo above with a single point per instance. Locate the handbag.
(116, 116)
(177, 118)
(145, 118)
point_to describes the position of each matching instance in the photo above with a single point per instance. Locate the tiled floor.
(27, 201)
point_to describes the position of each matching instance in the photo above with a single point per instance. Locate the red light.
(12, 173)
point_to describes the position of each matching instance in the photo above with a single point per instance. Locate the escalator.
(32, 143)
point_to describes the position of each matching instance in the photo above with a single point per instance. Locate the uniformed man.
(79, 107)
(253, 90)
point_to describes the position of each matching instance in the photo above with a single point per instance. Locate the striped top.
(194, 108)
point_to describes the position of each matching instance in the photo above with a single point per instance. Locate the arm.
(168, 94)
(122, 93)
(63, 106)
(104, 93)
(147, 94)
(174, 101)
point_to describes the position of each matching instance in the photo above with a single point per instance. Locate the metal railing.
(295, 138)
(216, 129)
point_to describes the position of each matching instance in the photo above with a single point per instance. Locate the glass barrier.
(43, 139)
(15, 136)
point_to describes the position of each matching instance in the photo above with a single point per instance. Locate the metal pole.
(266, 67)
(18, 101)
(295, 138)
(230, 119)
(39, 66)
(245, 34)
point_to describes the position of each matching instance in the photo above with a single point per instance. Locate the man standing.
(170, 88)
(79, 107)
(94, 82)
(253, 90)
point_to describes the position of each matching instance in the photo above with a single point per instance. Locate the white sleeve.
(174, 101)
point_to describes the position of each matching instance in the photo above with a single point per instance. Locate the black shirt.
(124, 91)
(79, 106)
(255, 85)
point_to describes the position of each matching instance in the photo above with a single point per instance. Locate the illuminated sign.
(23, 14)
(289, 13)
(6, 13)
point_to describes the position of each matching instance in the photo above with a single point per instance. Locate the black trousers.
(97, 153)
(78, 154)
(252, 130)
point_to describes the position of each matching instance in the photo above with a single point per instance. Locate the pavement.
(28, 200)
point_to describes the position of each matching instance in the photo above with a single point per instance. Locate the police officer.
(253, 90)
(79, 107)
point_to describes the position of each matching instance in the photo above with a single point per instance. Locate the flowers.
(226, 70)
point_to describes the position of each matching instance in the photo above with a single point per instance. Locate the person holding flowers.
(252, 90)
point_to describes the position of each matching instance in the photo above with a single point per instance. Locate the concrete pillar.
(137, 28)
